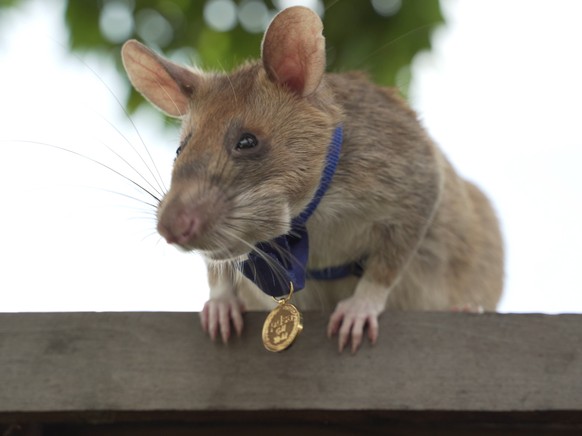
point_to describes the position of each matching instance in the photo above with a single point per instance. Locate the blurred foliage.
(378, 36)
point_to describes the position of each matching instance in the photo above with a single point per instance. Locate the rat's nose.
(181, 230)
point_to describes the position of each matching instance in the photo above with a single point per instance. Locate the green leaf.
(358, 37)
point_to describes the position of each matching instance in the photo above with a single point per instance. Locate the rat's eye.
(183, 144)
(246, 141)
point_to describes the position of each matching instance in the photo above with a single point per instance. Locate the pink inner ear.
(291, 73)
(294, 50)
(167, 85)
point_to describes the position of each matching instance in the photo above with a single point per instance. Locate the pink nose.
(181, 230)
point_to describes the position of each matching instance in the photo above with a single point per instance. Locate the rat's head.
(253, 142)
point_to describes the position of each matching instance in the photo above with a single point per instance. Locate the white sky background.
(500, 92)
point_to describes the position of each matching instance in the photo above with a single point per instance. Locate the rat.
(254, 145)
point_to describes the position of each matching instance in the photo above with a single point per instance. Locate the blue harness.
(277, 263)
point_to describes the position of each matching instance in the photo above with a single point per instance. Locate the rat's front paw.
(468, 308)
(219, 313)
(349, 320)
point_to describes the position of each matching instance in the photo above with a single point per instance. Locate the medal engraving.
(281, 327)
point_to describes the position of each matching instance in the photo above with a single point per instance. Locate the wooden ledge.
(449, 370)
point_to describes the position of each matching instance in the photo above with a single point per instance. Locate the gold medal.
(282, 325)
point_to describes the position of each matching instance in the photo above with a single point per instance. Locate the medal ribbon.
(290, 252)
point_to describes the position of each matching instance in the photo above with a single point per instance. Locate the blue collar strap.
(337, 272)
(273, 265)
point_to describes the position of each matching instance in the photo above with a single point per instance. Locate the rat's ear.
(166, 84)
(293, 50)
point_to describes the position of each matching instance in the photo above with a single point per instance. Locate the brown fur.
(430, 238)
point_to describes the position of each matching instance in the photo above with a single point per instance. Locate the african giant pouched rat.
(253, 149)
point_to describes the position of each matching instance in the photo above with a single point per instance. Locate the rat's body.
(428, 239)
(458, 260)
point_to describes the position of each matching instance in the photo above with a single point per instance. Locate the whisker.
(286, 255)
(151, 235)
(392, 42)
(229, 81)
(277, 269)
(331, 5)
(160, 239)
(170, 98)
(160, 187)
(158, 180)
(90, 159)
(256, 219)
(122, 194)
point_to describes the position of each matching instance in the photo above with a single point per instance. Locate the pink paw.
(349, 320)
(468, 308)
(220, 315)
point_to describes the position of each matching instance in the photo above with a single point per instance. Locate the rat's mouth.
(227, 254)
(216, 255)
(220, 257)
(219, 232)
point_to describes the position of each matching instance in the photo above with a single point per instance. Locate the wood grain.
(107, 367)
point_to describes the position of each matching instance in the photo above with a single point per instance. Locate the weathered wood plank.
(110, 365)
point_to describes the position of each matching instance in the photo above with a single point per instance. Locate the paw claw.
(468, 308)
(218, 314)
(349, 321)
